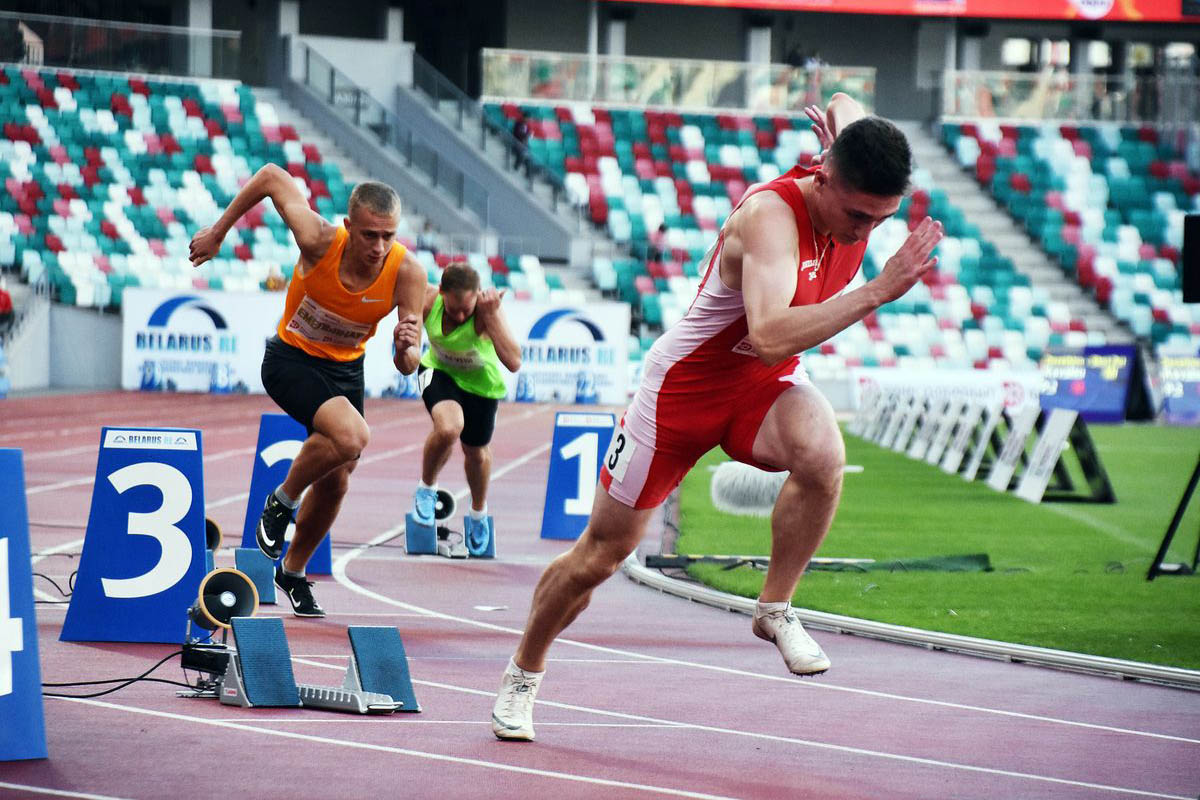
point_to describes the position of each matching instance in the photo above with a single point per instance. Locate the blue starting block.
(378, 664)
(259, 569)
(419, 539)
(260, 672)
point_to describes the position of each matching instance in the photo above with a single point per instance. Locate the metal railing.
(466, 116)
(523, 75)
(1161, 99)
(43, 40)
(356, 105)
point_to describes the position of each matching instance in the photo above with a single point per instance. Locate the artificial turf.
(1070, 576)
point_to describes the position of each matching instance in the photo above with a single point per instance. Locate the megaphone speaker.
(443, 508)
(224, 594)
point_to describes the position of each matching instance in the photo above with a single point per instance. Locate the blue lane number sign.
(279, 441)
(143, 553)
(22, 725)
(576, 453)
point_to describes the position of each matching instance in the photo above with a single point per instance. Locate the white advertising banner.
(205, 341)
(570, 354)
(1016, 389)
(197, 341)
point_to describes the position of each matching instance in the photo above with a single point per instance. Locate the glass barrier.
(523, 75)
(42, 40)
(1058, 95)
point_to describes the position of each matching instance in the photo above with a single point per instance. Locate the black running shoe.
(299, 591)
(272, 526)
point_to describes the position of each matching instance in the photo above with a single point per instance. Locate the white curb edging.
(988, 648)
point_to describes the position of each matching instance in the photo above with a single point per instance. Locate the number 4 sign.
(575, 458)
(22, 727)
(143, 553)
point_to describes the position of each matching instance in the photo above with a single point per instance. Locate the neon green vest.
(464, 355)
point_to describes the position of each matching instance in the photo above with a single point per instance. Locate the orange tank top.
(324, 318)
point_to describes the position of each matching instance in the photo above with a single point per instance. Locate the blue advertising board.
(279, 440)
(1094, 381)
(143, 552)
(23, 730)
(1181, 388)
(576, 453)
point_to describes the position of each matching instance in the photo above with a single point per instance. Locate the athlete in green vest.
(461, 385)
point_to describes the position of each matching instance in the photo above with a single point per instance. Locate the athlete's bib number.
(620, 453)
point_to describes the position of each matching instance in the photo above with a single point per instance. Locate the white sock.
(525, 674)
(421, 485)
(282, 497)
(762, 609)
(478, 515)
(291, 574)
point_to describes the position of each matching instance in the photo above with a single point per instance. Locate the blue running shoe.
(478, 534)
(423, 505)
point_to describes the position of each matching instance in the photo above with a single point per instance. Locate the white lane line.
(402, 751)
(339, 574)
(859, 751)
(65, 547)
(21, 787)
(346, 719)
(53, 487)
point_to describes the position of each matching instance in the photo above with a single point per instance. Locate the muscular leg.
(339, 436)
(447, 426)
(566, 586)
(477, 462)
(316, 515)
(800, 434)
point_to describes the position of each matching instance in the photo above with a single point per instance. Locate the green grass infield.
(1069, 576)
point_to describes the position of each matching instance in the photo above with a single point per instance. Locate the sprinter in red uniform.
(728, 375)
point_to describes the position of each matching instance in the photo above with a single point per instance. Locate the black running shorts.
(300, 383)
(479, 413)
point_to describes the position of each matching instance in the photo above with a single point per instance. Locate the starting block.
(259, 569)
(260, 670)
(423, 540)
(379, 665)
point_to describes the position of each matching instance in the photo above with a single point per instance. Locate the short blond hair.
(376, 197)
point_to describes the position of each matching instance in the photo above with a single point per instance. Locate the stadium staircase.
(998, 227)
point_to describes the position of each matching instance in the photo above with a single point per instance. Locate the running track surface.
(646, 695)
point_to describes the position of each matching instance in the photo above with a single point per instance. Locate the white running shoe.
(802, 655)
(512, 716)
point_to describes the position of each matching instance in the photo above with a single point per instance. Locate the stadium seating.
(107, 177)
(1107, 202)
(635, 170)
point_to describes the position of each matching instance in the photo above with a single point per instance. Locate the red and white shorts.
(665, 431)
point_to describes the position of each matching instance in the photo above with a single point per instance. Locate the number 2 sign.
(575, 457)
(143, 553)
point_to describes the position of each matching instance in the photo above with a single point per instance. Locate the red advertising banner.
(1106, 10)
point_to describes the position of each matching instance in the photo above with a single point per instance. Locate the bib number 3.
(620, 453)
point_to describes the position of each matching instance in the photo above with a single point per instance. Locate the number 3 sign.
(575, 458)
(143, 553)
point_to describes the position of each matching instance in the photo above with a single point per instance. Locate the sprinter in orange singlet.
(348, 278)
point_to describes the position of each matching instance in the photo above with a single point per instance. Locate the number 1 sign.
(576, 452)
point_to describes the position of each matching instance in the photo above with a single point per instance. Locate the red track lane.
(646, 695)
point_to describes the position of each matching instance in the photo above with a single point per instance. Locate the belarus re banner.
(205, 341)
